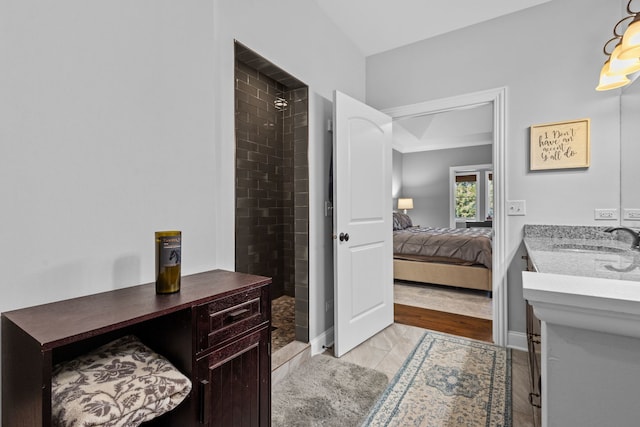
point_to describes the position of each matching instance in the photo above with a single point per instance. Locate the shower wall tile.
(272, 185)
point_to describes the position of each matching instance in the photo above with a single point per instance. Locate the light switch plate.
(516, 207)
(606, 214)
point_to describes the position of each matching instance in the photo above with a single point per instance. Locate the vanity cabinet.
(233, 369)
(216, 331)
(534, 347)
(587, 301)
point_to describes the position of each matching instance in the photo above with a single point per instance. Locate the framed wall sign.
(561, 145)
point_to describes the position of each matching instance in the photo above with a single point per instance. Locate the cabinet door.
(235, 383)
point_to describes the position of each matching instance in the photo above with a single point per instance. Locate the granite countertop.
(556, 250)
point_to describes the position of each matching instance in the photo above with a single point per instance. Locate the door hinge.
(328, 208)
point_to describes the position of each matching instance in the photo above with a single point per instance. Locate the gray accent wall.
(396, 177)
(425, 178)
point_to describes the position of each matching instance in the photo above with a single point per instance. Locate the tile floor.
(387, 351)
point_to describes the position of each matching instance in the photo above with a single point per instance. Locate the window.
(489, 195)
(470, 194)
(466, 196)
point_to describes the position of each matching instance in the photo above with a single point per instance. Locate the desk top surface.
(70, 320)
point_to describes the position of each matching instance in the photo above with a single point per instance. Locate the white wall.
(118, 120)
(106, 136)
(549, 57)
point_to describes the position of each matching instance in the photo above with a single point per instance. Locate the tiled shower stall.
(272, 179)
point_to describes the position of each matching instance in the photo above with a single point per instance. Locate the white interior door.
(363, 248)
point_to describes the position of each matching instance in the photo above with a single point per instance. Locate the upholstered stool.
(122, 383)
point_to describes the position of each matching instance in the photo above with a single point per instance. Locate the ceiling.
(379, 25)
(464, 127)
(376, 26)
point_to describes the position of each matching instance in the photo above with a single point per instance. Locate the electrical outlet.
(516, 207)
(631, 214)
(606, 214)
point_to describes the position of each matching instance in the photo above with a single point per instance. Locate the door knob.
(344, 237)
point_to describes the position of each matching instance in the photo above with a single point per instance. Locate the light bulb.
(631, 41)
(608, 82)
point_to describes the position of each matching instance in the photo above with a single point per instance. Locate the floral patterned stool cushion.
(122, 383)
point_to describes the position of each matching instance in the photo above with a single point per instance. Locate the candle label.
(170, 251)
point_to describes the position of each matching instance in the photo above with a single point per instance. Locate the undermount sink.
(572, 247)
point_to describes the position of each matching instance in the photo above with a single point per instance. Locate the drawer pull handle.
(205, 398)
(238, 313)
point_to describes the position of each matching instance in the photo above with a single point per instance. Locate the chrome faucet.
(635, 245)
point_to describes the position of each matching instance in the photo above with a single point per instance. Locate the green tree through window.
(466, 196)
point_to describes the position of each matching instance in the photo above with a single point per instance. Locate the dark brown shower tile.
(260, 104)
(245, 164)
(241, 77)
(299, 120)
(256, 157)
(246, 145)
(242, 153)
(258, 83)
(270, 99)
(258, 175)
(246, 203)
(301, 226)
(300, 172)
(265, 171)
(245, 107)
(246, 69)
(246, 88)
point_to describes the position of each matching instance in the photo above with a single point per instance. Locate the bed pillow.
(122, 383)
(401, 221)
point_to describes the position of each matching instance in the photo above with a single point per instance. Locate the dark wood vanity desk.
(216, 331)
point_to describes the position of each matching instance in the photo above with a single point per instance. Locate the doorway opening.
(495, 99)
(272, 188)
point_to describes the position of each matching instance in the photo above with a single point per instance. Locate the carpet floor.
(448, 381)
(326, 391)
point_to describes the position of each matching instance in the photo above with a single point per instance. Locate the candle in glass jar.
(168, 258)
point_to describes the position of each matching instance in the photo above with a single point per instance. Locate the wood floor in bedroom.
(450, 323)
(454, 311)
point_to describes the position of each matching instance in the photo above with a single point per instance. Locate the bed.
(460, 257)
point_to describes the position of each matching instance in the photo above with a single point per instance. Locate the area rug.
(448, 381)
(326, 391)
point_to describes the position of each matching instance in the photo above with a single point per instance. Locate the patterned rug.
(448, 381)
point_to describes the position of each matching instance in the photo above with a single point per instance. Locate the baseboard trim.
(517, 340)
(320, 343)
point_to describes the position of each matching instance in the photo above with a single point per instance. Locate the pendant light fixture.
(631, 40)
(624, 58)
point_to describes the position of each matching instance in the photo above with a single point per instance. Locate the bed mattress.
(462, 246)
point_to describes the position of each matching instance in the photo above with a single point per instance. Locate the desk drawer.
(226, 318)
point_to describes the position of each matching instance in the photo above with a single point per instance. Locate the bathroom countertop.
(543, 247)
(590, 316)
(592, 290)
